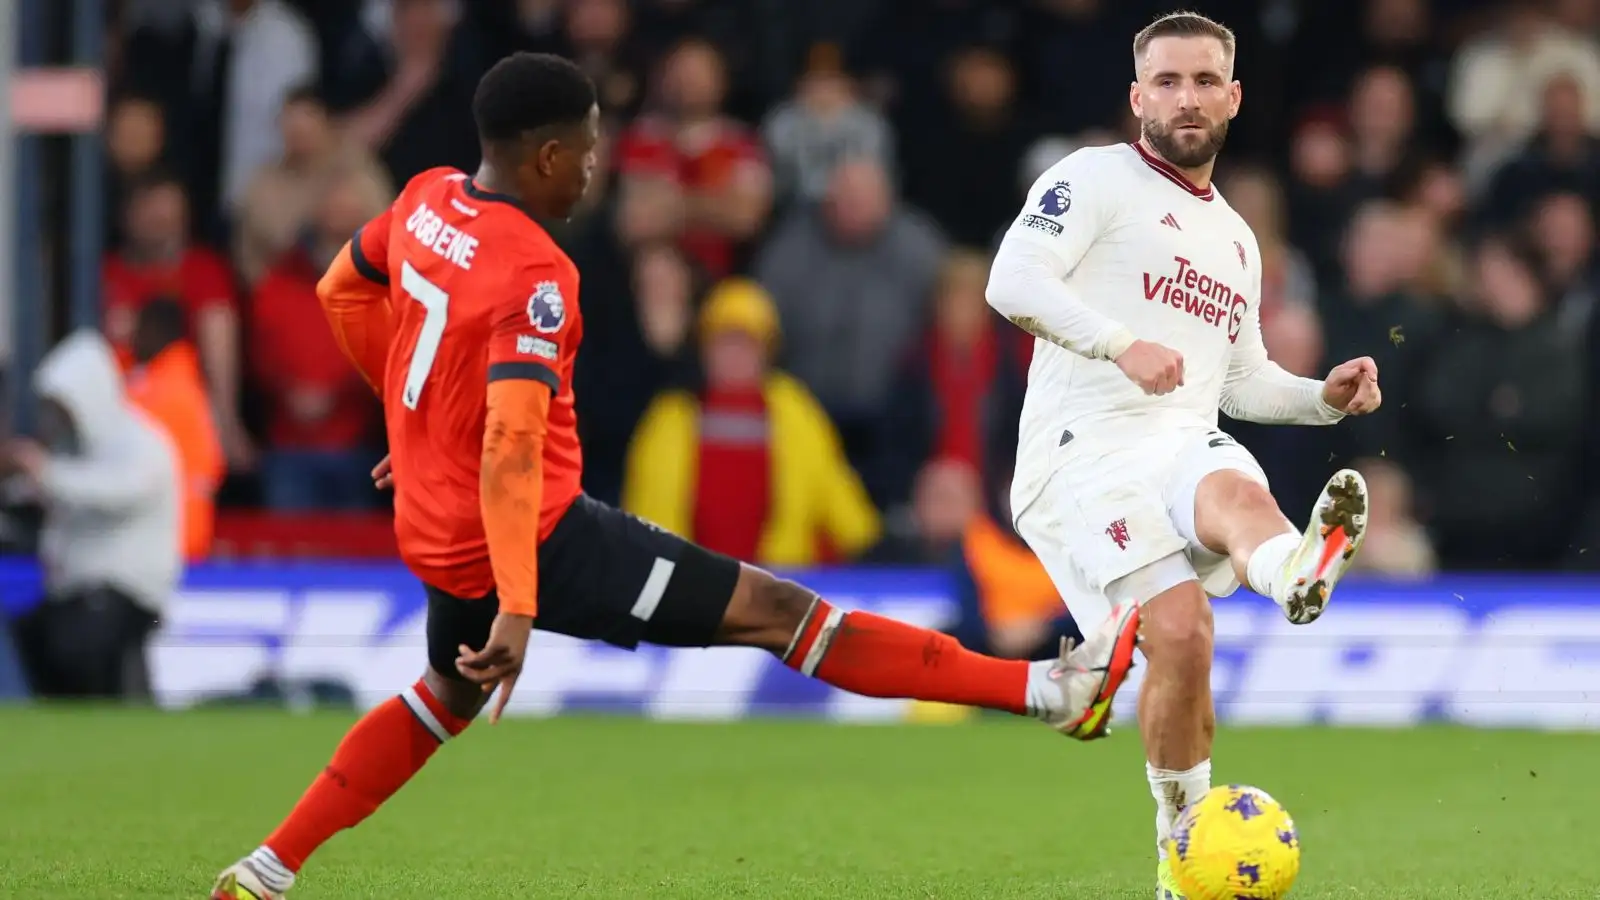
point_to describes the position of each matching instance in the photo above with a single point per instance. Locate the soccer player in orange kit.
(462, 312)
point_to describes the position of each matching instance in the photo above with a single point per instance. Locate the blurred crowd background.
(788, 355)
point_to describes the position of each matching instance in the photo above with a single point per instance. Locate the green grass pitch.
(106, 804)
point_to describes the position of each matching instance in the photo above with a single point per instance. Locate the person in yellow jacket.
(748, 464)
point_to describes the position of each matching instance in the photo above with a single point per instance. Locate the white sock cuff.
(1268, 560)
(1202, 768)
(273, 873)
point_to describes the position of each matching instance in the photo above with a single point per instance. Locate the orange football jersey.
(479, 292)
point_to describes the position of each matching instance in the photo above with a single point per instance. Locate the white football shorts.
(1119, 515)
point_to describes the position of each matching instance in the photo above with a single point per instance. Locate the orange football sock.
(378, 756)
(878, 657)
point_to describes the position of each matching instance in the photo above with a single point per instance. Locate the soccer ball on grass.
(1235, 843)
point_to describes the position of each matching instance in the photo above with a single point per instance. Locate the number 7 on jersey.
(437, 303)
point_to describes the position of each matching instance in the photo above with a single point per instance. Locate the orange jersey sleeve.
(526, 346)
(511, 488)
(355, 297)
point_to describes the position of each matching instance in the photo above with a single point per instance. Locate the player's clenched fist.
(1352, 387)
(1154, 368)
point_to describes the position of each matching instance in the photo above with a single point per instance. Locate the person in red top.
(320, 414)
(160, 260)
(463, 314)
(690, 173)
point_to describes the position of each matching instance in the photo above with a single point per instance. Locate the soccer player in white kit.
(1143, 286)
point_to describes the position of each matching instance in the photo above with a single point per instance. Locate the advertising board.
(1519, 651)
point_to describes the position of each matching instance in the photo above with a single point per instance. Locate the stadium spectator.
(958, 392)
(1563, 227)
(535, 26)
(851, 280)
(690, 173)
(597, 35)
(982, 133)
(278, 206)
(1375, 312)
(748, 465)
(1399, 33)
(166, 383)
(222, 73)
(1428, 262)
(1495, 75)
(1321, 190)
(136, 139)
(636, 341)
(823, 124)
(1397, 546)
(405, 87)
(108, 480)
(1383, 135)
(160, 259)
(1504, 405)
(1436, 191)
(903, 51)
(1563, 155)
(321, 414)
(945, 495)
(1082, 43)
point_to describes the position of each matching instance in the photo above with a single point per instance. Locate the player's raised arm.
(1256, 389)
(355, 298)
(1065, 214)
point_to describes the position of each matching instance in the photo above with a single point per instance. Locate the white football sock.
(273, 873)
(1173, 791)
(1043, 694)
(1266, 564)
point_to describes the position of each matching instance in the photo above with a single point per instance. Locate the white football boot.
(241, 881)
(1330, 542)
(1089, 674)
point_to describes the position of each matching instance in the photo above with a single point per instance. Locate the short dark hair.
(528, 91)
(134, 98)
(1182, 24)
(155, 179)
(305, 92)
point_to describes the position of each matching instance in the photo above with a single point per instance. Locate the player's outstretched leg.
(879, 657)
(1235, 514)
(375, 759)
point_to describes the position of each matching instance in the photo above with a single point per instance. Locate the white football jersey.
(1174, 264)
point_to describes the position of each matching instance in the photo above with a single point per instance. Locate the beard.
(1185, 149)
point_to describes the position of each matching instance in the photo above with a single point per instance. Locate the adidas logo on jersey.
(1171, 222)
